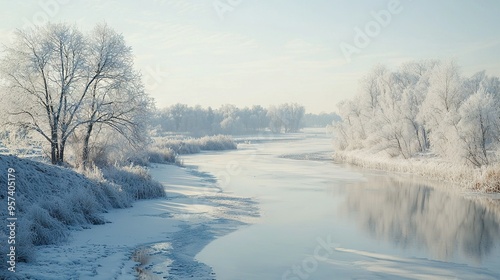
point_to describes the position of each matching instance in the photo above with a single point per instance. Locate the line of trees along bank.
(66, 86)
(422, 107)
(229, 119)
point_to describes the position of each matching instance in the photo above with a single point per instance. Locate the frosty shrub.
(58, 208)
(25, 237)
(135, 181)
(186, 146)
(118, 151)
(44, 228)
(51, 200)
(196, 145)
(157, 155)
(89, 206)
(216, 143)
(489, 180)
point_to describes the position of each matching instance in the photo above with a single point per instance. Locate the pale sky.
(245, 52)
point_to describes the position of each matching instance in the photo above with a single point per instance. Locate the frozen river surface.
(321, 220)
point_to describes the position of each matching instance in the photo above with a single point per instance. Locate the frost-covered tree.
(116, 95)
(229, 119)
(177, 113)
(275, 121)
(285, 117)
(350, 131)
(57, 81)
(475, 129)
(478, 128)
(424, 106)
(253, 119)
(417, 75)
(402, 93)
(295, 113)
(389, 127)
(231, 122)
(46, 83)
(378, 117)
(439, 110)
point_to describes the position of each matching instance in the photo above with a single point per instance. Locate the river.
(322, 220)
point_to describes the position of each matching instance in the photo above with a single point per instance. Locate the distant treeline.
(319, 120)
(229, 119)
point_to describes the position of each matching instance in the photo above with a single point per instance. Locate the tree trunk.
(85, 150)
(425, 139)
(60, 158)
(53, 146)
(417, 132)
(53, 153)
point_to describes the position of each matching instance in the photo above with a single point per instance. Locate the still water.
(321, 220)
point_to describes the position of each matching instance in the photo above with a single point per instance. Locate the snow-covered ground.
(163, 234)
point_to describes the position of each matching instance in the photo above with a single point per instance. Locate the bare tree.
(178, 112)
(42, 72)
(116, 94)
(58, 80)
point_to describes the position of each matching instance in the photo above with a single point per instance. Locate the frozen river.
(321, 220)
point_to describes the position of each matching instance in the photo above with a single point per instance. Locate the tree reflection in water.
(409, 214)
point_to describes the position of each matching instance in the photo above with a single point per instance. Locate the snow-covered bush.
(216, 143)
(157, 155)
(186, 146)
(135, 181)
(25, 252)
(195, 145)
(45, 229)
(50, 200)
(489, 180)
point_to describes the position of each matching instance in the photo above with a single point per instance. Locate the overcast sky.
(246, 52)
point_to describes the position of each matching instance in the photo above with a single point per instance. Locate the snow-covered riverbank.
(467, 178)
(194, 213)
